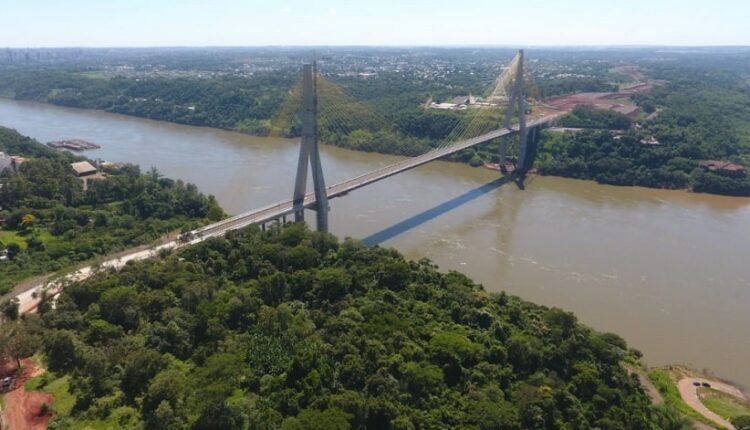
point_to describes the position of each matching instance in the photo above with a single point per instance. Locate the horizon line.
(458, 45)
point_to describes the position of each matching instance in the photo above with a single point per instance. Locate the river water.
(667, 270)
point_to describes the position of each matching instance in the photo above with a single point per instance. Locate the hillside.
(292, 329)
(48, 222)
(700, 115)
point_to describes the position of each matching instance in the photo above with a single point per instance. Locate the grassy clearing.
(120, 417)
(58, 387)
(36, 383)
(7, 237)
(667, 387)
(723, 404)
(64, 400)
(10, 236)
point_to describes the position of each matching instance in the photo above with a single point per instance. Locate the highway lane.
(29, 298)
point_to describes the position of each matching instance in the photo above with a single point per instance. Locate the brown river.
(667, 270)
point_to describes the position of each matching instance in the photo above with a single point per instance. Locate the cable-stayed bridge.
(510, 84)
(509, 87)
(281, 210)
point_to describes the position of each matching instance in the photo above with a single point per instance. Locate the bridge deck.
(278, 210)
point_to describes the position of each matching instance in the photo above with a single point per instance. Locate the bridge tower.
(517, 101)
(309, 153)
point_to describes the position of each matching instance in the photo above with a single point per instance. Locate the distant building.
(723, 167)
(86, 172)
(9, 164)
(83, 168)
(6, 163)
(17, 161)
(464, 100)
(631, 111)
(444, 106)
(650, 141)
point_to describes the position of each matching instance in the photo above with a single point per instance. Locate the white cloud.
(332, 12)
(286, 9)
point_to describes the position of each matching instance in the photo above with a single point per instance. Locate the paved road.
(28, 301)
(689, 394)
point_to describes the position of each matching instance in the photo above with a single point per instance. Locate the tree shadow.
(434, 212)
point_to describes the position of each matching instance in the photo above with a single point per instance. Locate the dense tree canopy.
(701, 114)
(701, 117)
(50, 222)
(589, 117)
(291, 329)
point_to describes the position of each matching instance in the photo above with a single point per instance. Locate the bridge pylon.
(309, 153)
(517, 102)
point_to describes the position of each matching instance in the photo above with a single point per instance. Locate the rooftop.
(83, 168)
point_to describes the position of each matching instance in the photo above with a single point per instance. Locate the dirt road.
(22, 407)
(689, 393)
(648, 386)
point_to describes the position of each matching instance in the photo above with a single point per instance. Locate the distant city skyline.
(157, 23)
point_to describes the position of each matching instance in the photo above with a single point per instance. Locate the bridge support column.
(517, 100)
(309, 153)
(529, 148)
(522, 132)
(506, 124)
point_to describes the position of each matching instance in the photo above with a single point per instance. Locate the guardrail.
(286, 207)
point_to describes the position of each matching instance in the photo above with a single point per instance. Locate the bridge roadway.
(282, 209)
(28, 300)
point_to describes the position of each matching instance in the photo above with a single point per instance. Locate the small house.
(83, 168)
(6, 164)
(86, 172)
(464, 100)
(723, 167)
(650, 141)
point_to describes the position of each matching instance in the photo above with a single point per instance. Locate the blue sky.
(53, 23)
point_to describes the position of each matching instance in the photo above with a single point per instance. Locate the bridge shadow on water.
(436, 211)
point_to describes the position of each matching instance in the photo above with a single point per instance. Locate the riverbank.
(493, 166)
(701, 396)
(665, 269)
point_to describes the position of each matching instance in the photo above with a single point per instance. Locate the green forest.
(700, 114)
(49, 223)
(292, 329)
(697, 117)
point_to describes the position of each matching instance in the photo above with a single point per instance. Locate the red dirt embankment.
(608, 101)
(21, 410)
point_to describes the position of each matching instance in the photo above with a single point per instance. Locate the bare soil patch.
(22, 408)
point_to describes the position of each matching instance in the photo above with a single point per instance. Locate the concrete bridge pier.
(309, 153)
(529, 149)
(516, 102)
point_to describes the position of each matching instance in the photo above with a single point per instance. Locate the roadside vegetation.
(741, 422)
(590, 117)
(728, 407)
(292, 329)
(700, 118)
(49, 223)
(723, 405)
(701, 114)
(667, 386)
